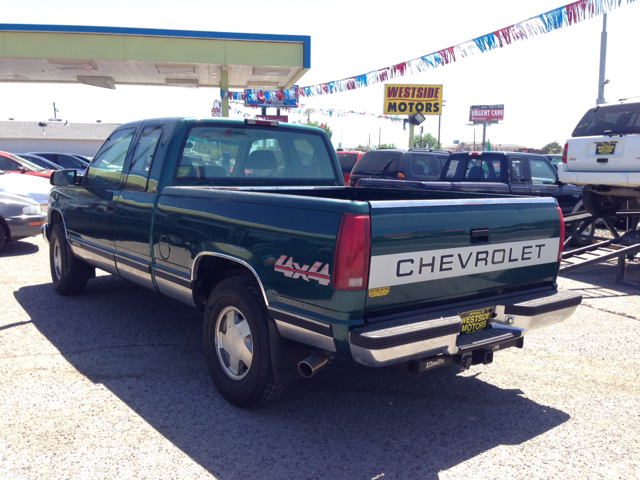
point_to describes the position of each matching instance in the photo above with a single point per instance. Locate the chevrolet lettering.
(250, 223)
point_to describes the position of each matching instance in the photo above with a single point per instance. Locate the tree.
(385, 145)
(317, 124)
(425, 140)
(553, 147)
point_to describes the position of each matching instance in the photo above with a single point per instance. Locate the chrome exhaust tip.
(310, 365)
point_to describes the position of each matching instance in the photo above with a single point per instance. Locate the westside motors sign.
(412, 99)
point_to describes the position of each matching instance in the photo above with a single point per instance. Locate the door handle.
(479, 235)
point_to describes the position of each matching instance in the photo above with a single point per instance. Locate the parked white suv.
(604, 156)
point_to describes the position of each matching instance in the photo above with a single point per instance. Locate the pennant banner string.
(566, 15)
(328, 112)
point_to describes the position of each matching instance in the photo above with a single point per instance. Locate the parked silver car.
(30, 186)
(20, 217)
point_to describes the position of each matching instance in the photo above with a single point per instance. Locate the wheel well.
(55, 217)
(211, 270)
(5, 227)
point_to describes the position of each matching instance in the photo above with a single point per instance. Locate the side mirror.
(62, 178)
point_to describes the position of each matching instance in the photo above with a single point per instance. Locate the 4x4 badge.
(291, 269)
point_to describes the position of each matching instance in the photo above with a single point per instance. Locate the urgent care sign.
(486, 113)
(412, 99)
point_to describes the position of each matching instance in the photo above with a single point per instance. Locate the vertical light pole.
(439, 118)
(603, 59)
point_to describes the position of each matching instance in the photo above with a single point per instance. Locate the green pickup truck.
(250, 222)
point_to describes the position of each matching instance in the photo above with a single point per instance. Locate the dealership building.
(53, 136)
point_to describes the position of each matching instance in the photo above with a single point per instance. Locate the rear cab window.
(474, 168)
(243, 154)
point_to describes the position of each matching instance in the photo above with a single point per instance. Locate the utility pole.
(484, 135)
(603, 59)
(55, 111)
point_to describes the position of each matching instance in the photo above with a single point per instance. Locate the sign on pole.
(412, 99)
(287, 98)
(486, 113)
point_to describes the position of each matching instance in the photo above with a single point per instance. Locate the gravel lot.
(113, 384)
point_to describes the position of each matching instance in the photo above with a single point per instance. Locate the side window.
(106, 166)
(8, 164)
(517, 170)
(208, 154)
(541, 172)
(142, 158)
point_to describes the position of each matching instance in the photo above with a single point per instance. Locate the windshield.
(609, 120)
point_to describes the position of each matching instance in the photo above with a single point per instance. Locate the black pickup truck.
(513, 173)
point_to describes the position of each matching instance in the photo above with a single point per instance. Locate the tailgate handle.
(602, 160)
(480, 235)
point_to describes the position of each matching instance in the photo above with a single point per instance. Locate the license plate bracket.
(607, 148)
(475, 320)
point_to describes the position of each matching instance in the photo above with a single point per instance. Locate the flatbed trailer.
(609, 244)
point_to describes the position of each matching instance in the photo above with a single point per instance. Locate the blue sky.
(546, 82)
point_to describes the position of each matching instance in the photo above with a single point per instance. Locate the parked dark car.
(40, 161)
(348, 159)
(82, 158)
(20, 217)
(412, 164)
(511, 173)
(65, 160)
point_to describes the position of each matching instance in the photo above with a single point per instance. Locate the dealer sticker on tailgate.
(605, 148)
(475, 320)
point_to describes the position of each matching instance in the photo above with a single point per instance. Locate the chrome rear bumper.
(438, 332)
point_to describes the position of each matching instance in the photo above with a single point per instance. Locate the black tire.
(589, 230)
(598, 204)
(3, 237)
(236, 343)
(66, 280)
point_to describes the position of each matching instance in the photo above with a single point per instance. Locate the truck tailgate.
(430, 252)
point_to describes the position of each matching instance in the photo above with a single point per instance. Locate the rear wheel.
(236, 343)
(599, 204)
(3, 237)
(588, 231)
(65, 279)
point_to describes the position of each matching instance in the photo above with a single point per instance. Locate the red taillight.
(351, 257)
(561, 233)
(564, 153)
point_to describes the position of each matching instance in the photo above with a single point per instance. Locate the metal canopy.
(110, 56)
